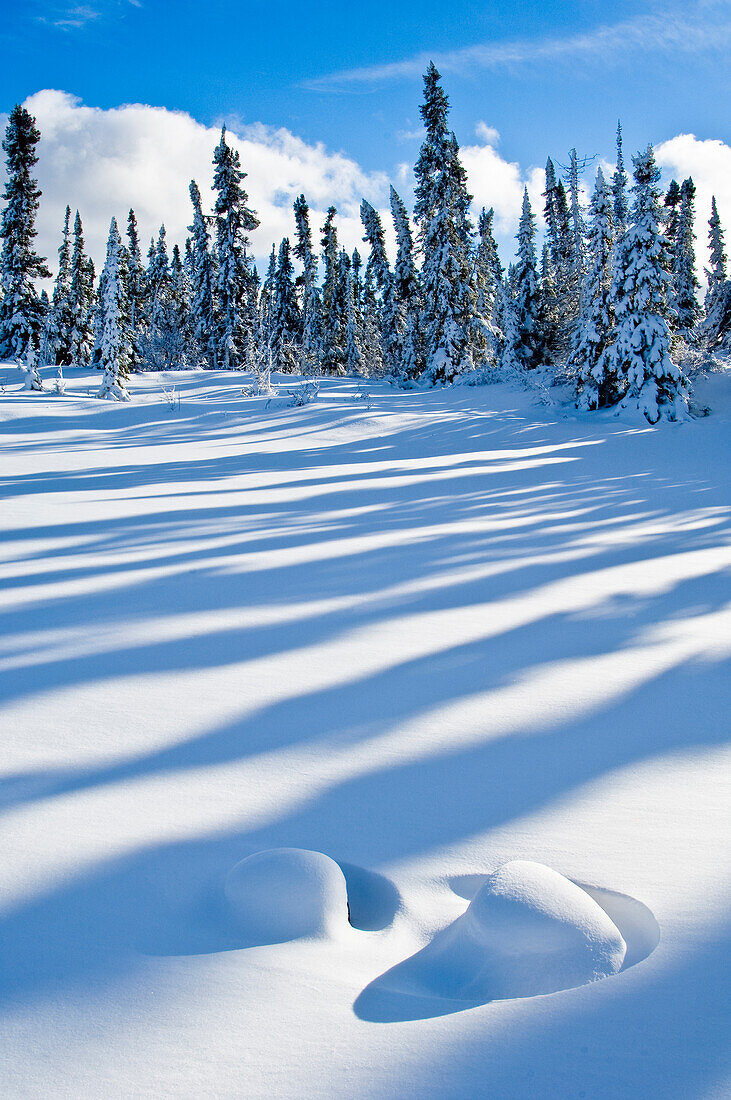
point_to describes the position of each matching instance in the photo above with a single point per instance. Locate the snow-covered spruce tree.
(549, 321)
(685, 283)
(310, 300)
(597, 381)
(370, 310)
(524, 346)
(136, 291)
(81, 299)
(158, 278)
(488, 277)
(334, 292)
(202, 277)
(354, 357)
(640, 353)
(236, 286)
(391, 317)
(266, 301)
(113, 334)
(21, 312)
(511, 352)
(671, 215)
(445, 238)
(560, 302)
(578, 243)
(620, 205)
(407, 291)
(717, 291)
(59, 321)
(286, 322)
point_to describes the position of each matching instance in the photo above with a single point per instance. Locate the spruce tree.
(717, 292)
(488, 276)
(685, 283)
(236, 285)
(60, 319)
(334, 292)
(135, 291)
(392, 321)
(597, 381)
(266, 304)
(310, 308)
(671, 204)
(286, 320)
(620, 206)
(407, 291)
(640, 353)
(444, 236)
(354, 353)
(113, 334)
(578, 244)
(21, 311)
(81, 300)
(524, 347)
(202, 277)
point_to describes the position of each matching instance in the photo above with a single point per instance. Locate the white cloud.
(499, 183)
(709, 163)
(106, 161)
(489, 134)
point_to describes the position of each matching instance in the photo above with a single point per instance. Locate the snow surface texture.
(426, 638)
(287, 894)
(528, 930)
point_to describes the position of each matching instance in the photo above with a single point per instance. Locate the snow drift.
(527, 931)
(288, 894)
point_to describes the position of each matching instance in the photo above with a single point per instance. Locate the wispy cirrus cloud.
(73, 17)
(706, 28)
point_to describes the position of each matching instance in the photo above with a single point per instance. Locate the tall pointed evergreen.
(407, 291)
(641, 284)
(235, 279)
(334, 307)
(60, 317)
(620, 206)
(488, 276)
(525, 348)
(81, 299)
(310, 300)
(21, 311)
(444, 236)
(286, 320)
(113, 335)
(578, 245)
(685, 283)
(202, 279)
(135, 289)
(597, 382)
(391, 317)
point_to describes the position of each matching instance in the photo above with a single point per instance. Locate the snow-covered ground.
(424, 634)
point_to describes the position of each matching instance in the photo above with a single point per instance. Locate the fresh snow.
(528, 930)
(423, 635)
(287, 894)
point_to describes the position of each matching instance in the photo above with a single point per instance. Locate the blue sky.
(266, 62)
(546, 75)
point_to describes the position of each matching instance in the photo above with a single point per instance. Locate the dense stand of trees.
(611, 306)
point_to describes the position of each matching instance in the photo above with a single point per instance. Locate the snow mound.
(287, 894)
(527, 931)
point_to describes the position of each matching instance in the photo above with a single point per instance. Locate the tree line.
(611, 308)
